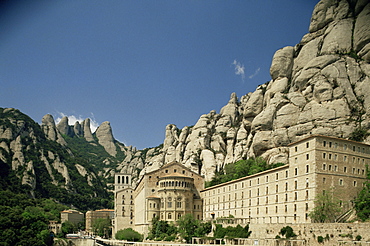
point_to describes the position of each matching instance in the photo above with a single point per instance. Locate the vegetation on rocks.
(241, 169)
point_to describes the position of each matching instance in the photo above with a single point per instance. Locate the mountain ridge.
(319, 86)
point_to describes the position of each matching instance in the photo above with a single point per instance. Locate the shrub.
(129, 234)
(358, 238)
(320, 239)
(288, 232)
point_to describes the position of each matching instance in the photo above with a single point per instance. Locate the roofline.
(323, 136)
(174, 163)
(167, 164)
(246, 177)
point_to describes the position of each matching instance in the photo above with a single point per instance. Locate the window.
(295, 207)
(295, 196)
(295, 184)
(323, 155)
(307, 168)
(296, 171)
(276, 198)
(324, 143)
(345, 169)
(267, 179)
(307, 145)
(286, 186)
(323, 166)
(286, 173)
(335, 168)
(169, 204)
(169, 216)
(306, 206)
(345, 146)
(179, 204)
(277, 176)
(329, 156)
(355, 183)
(329, 144)
(296, 148)
(307, 156)
(345, 158)
(277, 189)
(329, 167)
(324, 180)
(341, 182)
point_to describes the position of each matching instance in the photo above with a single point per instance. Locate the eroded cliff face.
(320, 86)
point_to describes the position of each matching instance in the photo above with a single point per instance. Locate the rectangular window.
(307, 168)
(169, 204)
(296, 171)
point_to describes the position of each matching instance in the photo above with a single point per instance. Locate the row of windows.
(169, 216)
(175, 184)
(341, 182)
(334, 157)
(267, 191)
(258, 199)
(122, 179)
(345, 146)
(345, 169)
(269, 210)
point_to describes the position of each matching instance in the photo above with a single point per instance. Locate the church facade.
(286, 194)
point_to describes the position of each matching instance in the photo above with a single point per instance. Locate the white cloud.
(72, 119)
(255, 73)
(239, 69)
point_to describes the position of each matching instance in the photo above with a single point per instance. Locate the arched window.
(127, 180)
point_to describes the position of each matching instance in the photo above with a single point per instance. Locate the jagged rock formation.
(105, 138)
(320, 86)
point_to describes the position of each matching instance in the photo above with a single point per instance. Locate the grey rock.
(105, 138)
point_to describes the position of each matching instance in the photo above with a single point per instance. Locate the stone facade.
(123, 202)
(283, 195)
(168, 193)
(286, 194)
(91, 216)
(72, 216)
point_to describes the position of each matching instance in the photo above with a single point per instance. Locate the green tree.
(68, 227)
(327, 208)
(362, 202)
(102, 227)
(161, 230)
(232, 232)
(189, 227)
(129, 234)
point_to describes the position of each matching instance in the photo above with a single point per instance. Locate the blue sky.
(140, 64)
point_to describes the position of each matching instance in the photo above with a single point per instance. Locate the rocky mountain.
(319, 86)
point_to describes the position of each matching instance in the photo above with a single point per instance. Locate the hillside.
(319, 86)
